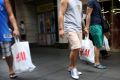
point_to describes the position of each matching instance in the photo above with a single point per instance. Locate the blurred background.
(41, 20)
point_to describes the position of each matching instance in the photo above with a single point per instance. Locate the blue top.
(96, 14)
(5, 34)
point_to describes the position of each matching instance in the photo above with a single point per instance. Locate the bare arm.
(88, 16)
(11, 18)
(63, 7)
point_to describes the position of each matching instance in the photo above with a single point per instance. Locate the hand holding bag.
(21, 56)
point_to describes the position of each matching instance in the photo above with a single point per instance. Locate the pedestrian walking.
(6, 16)
(70, 19)
(93, 26)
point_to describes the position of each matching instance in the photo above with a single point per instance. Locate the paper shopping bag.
(22, 57)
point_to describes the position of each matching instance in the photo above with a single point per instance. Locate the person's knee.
(76, 51)
(97, 50)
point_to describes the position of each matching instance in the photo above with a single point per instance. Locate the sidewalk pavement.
(51, 64)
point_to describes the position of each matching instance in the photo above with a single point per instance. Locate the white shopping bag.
(105, 44)
(22, 57)
(87, 53)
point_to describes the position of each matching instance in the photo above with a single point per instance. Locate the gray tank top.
(73, 16)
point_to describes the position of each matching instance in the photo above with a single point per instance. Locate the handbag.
(104, 23)
(21, 57)
(105, 26)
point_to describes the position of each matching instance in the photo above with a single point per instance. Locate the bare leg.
(97, 55)
(9, 61)
(97, 59)
(73, 58)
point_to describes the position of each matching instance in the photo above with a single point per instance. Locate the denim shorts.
(97, 35)
(6, 48)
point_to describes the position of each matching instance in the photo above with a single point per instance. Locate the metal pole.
(112, 23)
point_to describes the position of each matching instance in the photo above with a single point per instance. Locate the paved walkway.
(51, 64)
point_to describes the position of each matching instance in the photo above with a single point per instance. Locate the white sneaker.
(74, 73)
(79, 73)
(3, 58)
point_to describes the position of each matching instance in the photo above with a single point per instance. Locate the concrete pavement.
(51, 64)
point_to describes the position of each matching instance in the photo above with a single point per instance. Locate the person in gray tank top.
(70, 18)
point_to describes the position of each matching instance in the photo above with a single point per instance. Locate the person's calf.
(9, 61)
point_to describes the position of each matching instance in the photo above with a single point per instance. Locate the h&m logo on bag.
(85, 52)
(21, 56)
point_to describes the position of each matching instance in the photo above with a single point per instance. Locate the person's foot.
(99, 66)
(74, 73)
(12, 76)
(79, 73)
(3, 57)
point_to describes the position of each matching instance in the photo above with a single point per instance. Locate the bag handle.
(87, 36)
(16, 39)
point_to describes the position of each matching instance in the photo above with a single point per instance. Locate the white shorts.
(74, 39)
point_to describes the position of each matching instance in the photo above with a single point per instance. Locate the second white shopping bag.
(21, 56)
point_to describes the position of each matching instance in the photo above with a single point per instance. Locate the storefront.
(111, 10)
(46, 24)
(115, 24)
(41, 20)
